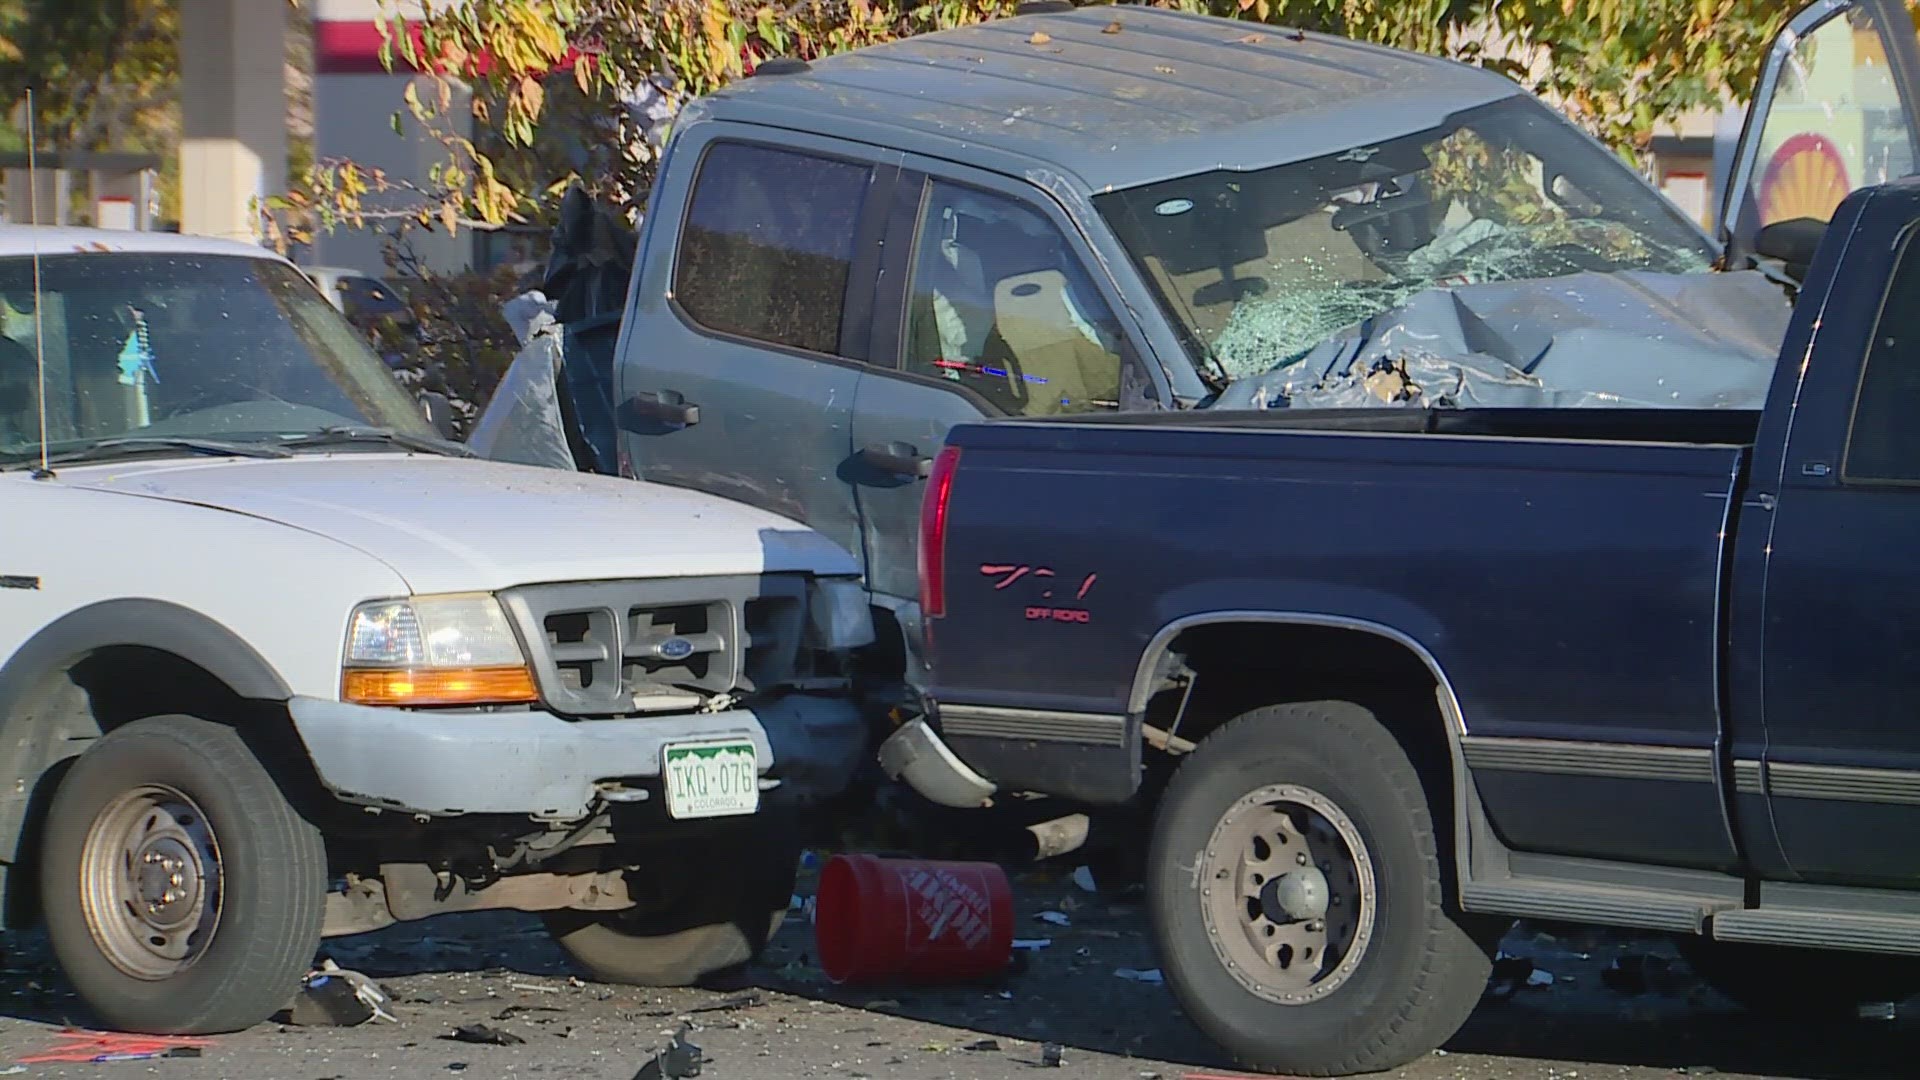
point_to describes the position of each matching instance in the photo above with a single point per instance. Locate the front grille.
(595, 644)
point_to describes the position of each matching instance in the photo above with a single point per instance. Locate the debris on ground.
(983, 1045)
(95, 1046)
(1879, 1010)
(1057, 918)
(332, 996)
(749, 1000)
(1641, 974)
(1052, 1056)
(484, 1035)
(1513, 973)
(1150, 976)
(1032, 944)
(512, 1011)
(680, 1059)
(533, 988)
(1083, 877)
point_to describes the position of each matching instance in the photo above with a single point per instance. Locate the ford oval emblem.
(1173, 207)
(674, 648)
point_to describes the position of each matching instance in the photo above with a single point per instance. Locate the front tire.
(699, 933)
(183, 893)
(1296, 892)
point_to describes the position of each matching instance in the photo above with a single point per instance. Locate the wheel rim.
(1287, 894)
(151, 882)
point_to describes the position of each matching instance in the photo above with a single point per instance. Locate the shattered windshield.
(1258, 268)
(183, 350)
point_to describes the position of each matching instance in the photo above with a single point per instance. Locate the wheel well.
(93, 694)
(1237, 667)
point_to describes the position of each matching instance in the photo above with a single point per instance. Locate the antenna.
(45, 472)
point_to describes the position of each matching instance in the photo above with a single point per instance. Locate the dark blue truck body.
(1655, 668)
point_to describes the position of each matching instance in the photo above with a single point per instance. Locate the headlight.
(456, 649)
(838, 617)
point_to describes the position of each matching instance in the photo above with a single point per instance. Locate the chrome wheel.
(1287, 894)
(150, 882)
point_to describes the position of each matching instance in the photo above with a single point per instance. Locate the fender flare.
(153, 624)
(1465, 800)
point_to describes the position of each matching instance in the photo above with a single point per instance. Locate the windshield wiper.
(347, 436)
(133, 445)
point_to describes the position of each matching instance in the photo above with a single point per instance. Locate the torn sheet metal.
(1631, 339)
(522, 423)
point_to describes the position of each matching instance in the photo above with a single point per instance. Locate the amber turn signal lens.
(439, 686)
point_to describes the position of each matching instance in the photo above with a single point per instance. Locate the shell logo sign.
(1806, 177)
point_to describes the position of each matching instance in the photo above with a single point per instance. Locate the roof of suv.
(1117, 95)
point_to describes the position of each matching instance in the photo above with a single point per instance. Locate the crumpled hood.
(1634, 338)
(453, 524)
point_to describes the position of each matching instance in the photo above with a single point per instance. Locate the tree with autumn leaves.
(603, 73)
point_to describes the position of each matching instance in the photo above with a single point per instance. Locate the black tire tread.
(1453, 966)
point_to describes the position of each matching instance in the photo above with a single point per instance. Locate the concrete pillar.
(233, 106)
(354, 97)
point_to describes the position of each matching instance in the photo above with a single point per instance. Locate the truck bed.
(1560, 566)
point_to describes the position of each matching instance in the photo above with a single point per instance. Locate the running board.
(1602, 905)
(1807, 928)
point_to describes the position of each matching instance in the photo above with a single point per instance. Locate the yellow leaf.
(449, 218)
(1251, 39)
(1113, 27)
(1040, 37)
(583, 71)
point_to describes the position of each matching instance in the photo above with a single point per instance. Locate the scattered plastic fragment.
(1052, 1056)
(1538, 978)
(1032, 944)
(1083, 877)
(1057, 918)
(1151, 976)
(680, 1059)
(13, 1070)
(532, 988)
(983, 1045)
(332, 996)
(483, 1035)
(1879, 1010)
(78, 1046)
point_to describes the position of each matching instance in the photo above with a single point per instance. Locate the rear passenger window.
(768, 243)
(1884, 445)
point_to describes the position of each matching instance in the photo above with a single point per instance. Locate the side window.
(768, 243)
(1000, 303)
(1884, 443)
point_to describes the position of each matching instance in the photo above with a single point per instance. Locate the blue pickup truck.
(1395, 673)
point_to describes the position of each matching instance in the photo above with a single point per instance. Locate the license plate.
(711, 779)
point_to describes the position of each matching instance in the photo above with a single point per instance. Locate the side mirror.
(439, 411)
(1791, 242)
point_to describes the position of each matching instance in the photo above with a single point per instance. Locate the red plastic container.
(909, 921)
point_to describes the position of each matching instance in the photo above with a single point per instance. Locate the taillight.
(933, 534)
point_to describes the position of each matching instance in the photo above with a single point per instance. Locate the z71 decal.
(1043, 580)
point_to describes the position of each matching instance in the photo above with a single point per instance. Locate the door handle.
(664, 405)
(898, 458)
(1760, 501)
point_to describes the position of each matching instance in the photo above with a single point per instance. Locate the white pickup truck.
(277, 661)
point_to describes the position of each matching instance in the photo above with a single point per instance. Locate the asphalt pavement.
(1555, 1013)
